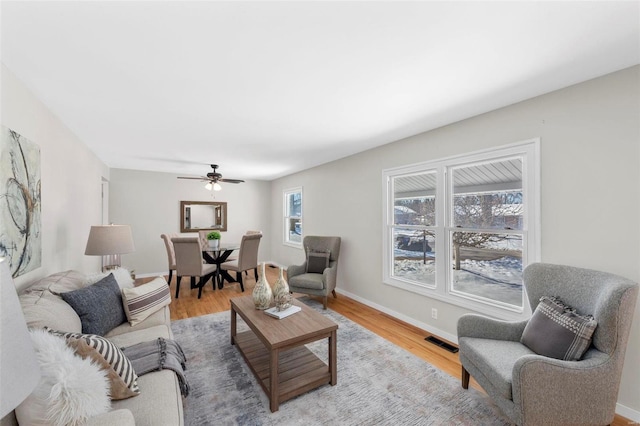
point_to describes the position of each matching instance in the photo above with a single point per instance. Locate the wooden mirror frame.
(184, 217)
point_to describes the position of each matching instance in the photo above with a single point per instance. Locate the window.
(293, 217)
(462, 229)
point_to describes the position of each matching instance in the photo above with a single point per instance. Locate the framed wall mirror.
(203, 215)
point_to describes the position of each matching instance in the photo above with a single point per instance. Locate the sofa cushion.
(159, 402)
(99, 306)
(71, 389)
(144, 300)
(109, 357)
(60, 282)
(161, 317)
(122, 276)
(558, 331)
(41, 308)
(142, 335)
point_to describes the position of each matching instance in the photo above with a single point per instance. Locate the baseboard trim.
(433, 330)
(628, 413)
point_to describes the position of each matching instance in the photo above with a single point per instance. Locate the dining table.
(218, 256)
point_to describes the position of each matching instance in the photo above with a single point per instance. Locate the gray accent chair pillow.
(99, 306)
(558, 331)
(317, 261)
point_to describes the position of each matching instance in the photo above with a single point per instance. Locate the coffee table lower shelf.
(299, 369)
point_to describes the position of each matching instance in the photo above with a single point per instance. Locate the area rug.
(378, 383)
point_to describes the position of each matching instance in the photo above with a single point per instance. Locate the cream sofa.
(159, 402)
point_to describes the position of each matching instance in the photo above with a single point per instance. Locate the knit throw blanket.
(157, 355)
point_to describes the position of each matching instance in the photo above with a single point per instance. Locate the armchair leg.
(324, 302)
(255, 273)
(335, 296)
(178, 285)
(465, 378)
(170, 275)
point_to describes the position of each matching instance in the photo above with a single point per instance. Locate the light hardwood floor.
(405, 335)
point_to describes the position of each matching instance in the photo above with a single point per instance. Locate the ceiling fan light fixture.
(216, 187)
(208, 186)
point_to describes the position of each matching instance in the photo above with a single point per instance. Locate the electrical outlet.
(434, 313)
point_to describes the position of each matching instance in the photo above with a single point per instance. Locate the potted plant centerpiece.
(214, 239)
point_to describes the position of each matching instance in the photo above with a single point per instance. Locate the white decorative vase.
(281, 292)
(262, 295)
(214, 244)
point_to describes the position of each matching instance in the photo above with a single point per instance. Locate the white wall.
(71, 178)
(150, 203)
(590, 162)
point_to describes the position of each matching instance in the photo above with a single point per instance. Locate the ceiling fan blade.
(196, 178)
(231, 180)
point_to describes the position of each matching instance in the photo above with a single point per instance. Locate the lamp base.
(110, 261)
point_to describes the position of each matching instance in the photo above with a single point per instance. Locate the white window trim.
(531, 241)
(285, 240)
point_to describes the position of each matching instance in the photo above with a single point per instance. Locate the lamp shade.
(109, 239)
(19, 368)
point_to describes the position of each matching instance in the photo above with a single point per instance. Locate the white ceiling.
(265, 89)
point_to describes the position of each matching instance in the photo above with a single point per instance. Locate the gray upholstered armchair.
(537, 390)
(317, 284)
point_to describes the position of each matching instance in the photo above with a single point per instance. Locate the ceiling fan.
(212, 179)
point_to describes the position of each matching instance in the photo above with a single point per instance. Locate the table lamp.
(19, 368)
(110, 241)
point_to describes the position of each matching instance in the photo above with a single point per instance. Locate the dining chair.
(247, 258)
(171, 255)
(189, 262)
(318, 274)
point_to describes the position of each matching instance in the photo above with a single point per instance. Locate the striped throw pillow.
(123, 379)
(142, 301)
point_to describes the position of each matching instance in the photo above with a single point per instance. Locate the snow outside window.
(462, 229)
(293, 217)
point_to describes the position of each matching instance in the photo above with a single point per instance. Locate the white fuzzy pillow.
(122, 276)
(71, 389)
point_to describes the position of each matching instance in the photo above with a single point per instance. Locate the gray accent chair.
(536, 390)
(316, 284)
(171, 254)
(247, 258)
(189, 262)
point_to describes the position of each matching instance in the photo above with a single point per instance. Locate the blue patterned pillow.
(99, 306)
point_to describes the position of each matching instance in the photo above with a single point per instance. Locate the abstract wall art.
(20, 202)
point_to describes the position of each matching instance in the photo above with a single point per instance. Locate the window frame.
(529, 151)
(286, 218)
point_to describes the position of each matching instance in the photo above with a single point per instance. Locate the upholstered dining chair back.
(189, 262)
(248, 255)
(247, 258)
(202, 236)
(534, 389)
(171, 254)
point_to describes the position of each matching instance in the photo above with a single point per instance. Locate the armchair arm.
(120, 417)
(294, 270)
(472, 325)
(539, 381)
(329, 276)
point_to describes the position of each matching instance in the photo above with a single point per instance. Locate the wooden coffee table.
(275, 348)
